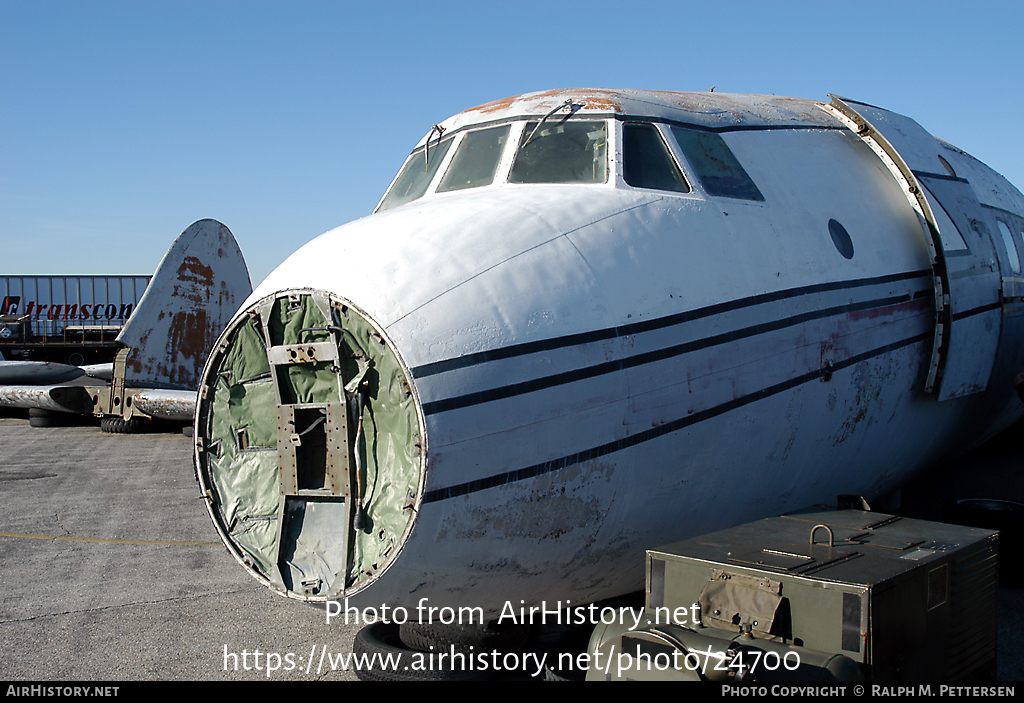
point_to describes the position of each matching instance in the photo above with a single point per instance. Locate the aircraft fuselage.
(728, 312)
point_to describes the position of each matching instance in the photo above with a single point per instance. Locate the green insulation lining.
(305, 536)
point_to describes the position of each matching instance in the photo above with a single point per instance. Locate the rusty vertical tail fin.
(198, 286)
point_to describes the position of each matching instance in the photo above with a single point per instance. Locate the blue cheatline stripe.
(572, 340)
(976, 311)
(537, 384)
(646, 436)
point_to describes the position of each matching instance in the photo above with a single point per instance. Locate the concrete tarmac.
(111, 569)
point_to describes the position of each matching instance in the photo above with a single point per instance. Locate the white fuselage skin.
(664, 364)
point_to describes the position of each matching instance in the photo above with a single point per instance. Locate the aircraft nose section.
(308, 445)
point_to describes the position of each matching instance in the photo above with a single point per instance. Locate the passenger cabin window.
(416, 175)
(715, 165)
(562, 152)
(647, 162)
(475, 160)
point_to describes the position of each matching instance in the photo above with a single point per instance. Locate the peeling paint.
(553, 506)
(165, 404)
(711, 109)
(198, 286)
(540, 516)
(192, 270)
(505, 103)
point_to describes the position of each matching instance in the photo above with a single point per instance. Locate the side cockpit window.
(1011, 246)
(646, 161)
(715, 165)
(476, 159)
(562, 152)
(417, 174)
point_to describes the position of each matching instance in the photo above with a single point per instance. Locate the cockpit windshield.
(417, 174)
(562, 152)
(475, 160)
(549, 151)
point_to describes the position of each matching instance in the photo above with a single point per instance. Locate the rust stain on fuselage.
(604, 103)
(494, 106)
(918, 305)
(601, 100)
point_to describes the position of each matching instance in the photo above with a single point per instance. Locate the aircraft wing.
(37, 372)
(160, 404)
(166, 404)
(39, 397)
(33, 373)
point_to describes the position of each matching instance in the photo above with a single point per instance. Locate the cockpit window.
(475, 160)
(562, 152)
(419, 170)
(715, 165)
(647, 162)
(1011, 247)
